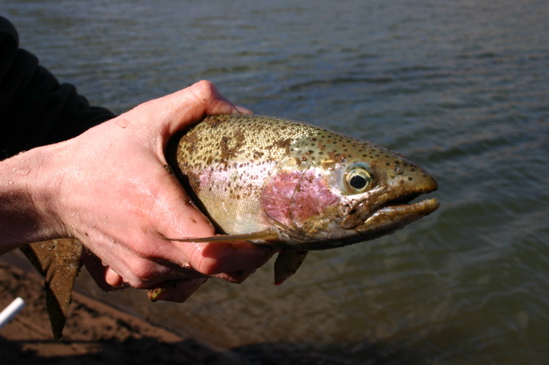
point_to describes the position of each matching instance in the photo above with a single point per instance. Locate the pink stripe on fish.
(293, 198)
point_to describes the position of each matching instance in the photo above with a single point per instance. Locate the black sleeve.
(34, 108)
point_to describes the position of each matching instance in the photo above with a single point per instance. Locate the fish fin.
(59, 261)
(287, 263)
(266, 235)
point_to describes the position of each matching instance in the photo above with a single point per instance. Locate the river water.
(461, 87)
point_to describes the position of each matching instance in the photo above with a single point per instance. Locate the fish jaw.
(390, 218)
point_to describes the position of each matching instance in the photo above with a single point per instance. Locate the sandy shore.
(95, 333)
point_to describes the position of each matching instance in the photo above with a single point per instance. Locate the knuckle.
(204, 264)
(142, 273)
(205, 89)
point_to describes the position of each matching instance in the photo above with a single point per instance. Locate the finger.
(114, 279)
(106, 278)
(131, 271)
(188, 106)
(227, 257)
(144, 273)
(242, 110)
(96, 269)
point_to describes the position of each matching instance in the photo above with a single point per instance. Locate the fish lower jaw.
(391, 217)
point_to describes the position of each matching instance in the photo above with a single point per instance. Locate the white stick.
(11, 311)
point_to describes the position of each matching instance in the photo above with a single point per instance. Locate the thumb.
(188, 106)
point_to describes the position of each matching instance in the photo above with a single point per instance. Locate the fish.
(274, 182)
(295, 186)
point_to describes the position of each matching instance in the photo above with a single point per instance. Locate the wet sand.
(95, 333)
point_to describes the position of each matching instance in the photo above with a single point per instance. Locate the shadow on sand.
(152, 351)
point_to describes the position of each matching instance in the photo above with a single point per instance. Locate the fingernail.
(114, 279)
(242, 110)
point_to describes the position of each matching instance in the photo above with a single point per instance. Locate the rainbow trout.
(297, 187)
(272, 182)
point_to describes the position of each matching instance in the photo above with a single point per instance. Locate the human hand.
(110, 189)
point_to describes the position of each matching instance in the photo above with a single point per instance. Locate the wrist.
(27, 190)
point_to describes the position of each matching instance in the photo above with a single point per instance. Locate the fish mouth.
(405, 202)
(397, 209)
(403, 207)
(396, 214)
(392, 205)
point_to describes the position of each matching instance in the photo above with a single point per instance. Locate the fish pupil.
(358, 182)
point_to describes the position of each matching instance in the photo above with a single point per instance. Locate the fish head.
(333, 191)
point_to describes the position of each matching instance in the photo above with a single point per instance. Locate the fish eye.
(358, 179)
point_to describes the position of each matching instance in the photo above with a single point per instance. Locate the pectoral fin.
(266, 235)
(287, 263)
(59, 261)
